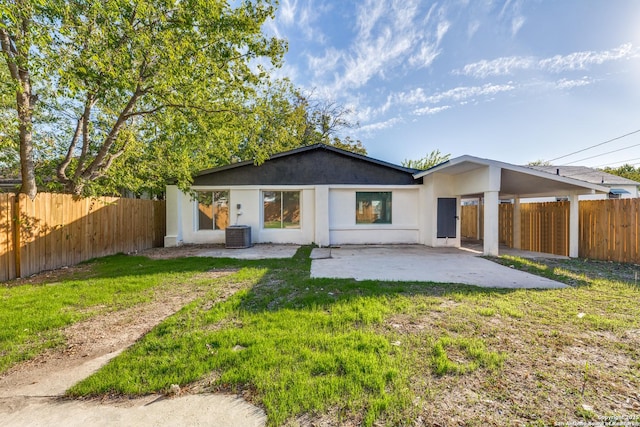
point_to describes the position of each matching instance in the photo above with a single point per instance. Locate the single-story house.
(619, 187)
(324, 195)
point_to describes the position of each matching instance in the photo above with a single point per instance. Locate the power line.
(596, 145)
(603, 154)
(615, 163)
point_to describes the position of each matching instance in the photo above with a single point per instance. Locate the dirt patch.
(52, 276)
(52, 372)
(559, 369)
(30, 392)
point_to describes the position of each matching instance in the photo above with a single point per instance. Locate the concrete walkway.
(38, 401)
(190, 410)
(417, 263)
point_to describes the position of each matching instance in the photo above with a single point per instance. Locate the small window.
(281, 209)
(213, 210)
(373, 207)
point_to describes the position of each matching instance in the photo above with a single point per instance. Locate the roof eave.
(310, 148)
(512, 167)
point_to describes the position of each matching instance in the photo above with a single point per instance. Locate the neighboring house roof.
(583, 173)
(317, 164)
(517, 180)
(9, 184)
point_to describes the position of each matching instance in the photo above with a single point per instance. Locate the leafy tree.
(433, 158)
(325, 122)
(9, 159)
(120, 78)
(539, 162)
(348, 144)
(625, 171)
(23, 26)
(177, 145)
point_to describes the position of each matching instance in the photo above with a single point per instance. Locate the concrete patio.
(412, 263)
(417, 263)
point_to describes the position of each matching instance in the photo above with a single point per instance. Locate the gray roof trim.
(311, 148)
(584, 173)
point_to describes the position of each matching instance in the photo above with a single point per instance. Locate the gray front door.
(447, 210)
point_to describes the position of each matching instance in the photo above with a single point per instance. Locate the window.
(373, 207)
(213, 210)
(281, 209)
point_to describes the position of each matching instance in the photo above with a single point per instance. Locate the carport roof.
(517, 180)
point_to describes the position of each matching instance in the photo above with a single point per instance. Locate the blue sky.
(509, 80)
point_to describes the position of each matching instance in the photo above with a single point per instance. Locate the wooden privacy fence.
(56, 230)
(544, 227)
(608, 229)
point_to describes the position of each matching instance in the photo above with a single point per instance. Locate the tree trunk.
(16, 56)
(27, 169)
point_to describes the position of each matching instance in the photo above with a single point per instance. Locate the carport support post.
(517, 237)
(491, 246)
(574, 226)
(478, 221)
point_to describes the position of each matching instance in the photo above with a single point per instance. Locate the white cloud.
(392, 36)
(300, 15)
(463, 93)
(288, 11)
(443, 27)
(424, 111)
(570, 84)
(556, 64)
(512, 12)
(473, 28)
(372, 57)
(375, 127)
(414, 96)
(369, 15)
(582, 60)
(320, 65)
(428, 49)
(424, 104)
(516, 23)
(425, 56)
(496, 67)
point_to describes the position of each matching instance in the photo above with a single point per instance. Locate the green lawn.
(342, 351)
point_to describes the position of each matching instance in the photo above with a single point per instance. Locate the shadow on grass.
(294, 344)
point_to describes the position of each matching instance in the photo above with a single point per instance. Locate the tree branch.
(180, 107)
(81, 129)
(10, 53)
(61, 170)
(97, 163)
(86, 138)
(107, 164)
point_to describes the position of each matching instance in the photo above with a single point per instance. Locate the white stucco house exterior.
(327, 196)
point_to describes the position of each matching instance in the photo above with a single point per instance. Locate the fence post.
(16, 234)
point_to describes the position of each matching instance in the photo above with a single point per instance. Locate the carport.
(473, 177)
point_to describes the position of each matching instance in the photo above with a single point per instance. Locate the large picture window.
(373, 207)
(213, 210)
(281, 209)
